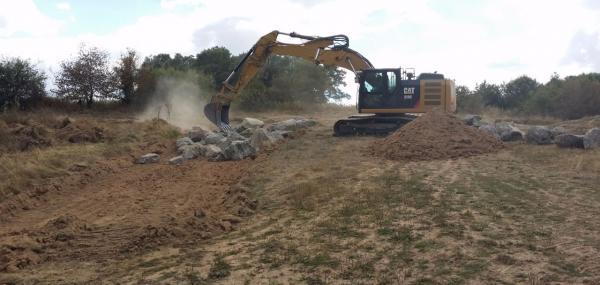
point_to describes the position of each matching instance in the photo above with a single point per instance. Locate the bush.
(21, 84)
(571, 98)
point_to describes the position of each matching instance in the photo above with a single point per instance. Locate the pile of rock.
(539, 135)
(244, 141)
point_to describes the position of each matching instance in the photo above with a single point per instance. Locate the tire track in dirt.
(125, 209)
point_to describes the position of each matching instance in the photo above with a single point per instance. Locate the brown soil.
(435, 135)
(117, 209)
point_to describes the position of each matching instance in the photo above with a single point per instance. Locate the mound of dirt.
(80, 131)
(435, 135)
(23, 137)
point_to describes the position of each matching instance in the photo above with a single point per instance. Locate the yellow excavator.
(390, 96)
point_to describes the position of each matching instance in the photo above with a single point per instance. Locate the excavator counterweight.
(389, 94)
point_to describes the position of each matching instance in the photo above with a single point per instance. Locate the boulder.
(149, 158)
(472, 120)
(292, 124)
(261, 138)
(198, 133)
(591, 140)
(191, 151)
(279, 135)
(238, 150)
(538, 135)
(176, 160)
(234, 136)
(213, 152)
(214, 138)
(490, 129)
(508, 132)
(183, 141)
(557, 131)
(569, 140)
(252, 123)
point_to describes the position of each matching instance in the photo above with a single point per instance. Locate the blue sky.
(467, 40)
(97, 17)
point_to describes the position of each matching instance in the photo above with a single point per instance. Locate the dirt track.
(120, 207)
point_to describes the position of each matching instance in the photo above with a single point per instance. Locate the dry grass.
(22, 170)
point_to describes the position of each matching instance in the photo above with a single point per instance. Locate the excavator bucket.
(218, 114)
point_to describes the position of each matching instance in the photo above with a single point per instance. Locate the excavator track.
(370, 125)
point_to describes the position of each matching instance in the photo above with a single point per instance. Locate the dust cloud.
(179, 102)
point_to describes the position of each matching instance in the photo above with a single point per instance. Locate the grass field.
(329, 213)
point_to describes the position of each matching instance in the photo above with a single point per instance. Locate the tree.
(21, 84)
(87, 77)
(518, 90)
(127, 72)
(216, 62)
(491, 94)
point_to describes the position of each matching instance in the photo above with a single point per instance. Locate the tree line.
(571, 97)
(90, 77)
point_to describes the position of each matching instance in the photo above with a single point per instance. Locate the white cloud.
(495, 41)
(63, 6)
(172, 4)
(25, 19)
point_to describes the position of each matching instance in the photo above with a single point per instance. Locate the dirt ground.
(317, 209)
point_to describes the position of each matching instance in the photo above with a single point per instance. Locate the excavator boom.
(330, 51)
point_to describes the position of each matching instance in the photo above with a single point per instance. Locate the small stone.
(149, 158)
(176, 160)
(591, 140)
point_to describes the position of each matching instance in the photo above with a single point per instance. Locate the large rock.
(591, 140)
(261, 138)
(214, 138)
(569, 140)
(191, 151)
(198, 133)
(292, 124)
(508, 132)
(538, 135)
(472, 120)
(239, 150)
(183, 141)
(176, 160)
(234, 136)
(213, 152)
(490, 129)
(252, 123)
(557, 131)
(149, 158)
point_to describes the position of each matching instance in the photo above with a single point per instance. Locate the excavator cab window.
(391, 77)
(374, 82)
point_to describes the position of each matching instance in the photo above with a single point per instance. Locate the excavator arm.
(330, 51)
